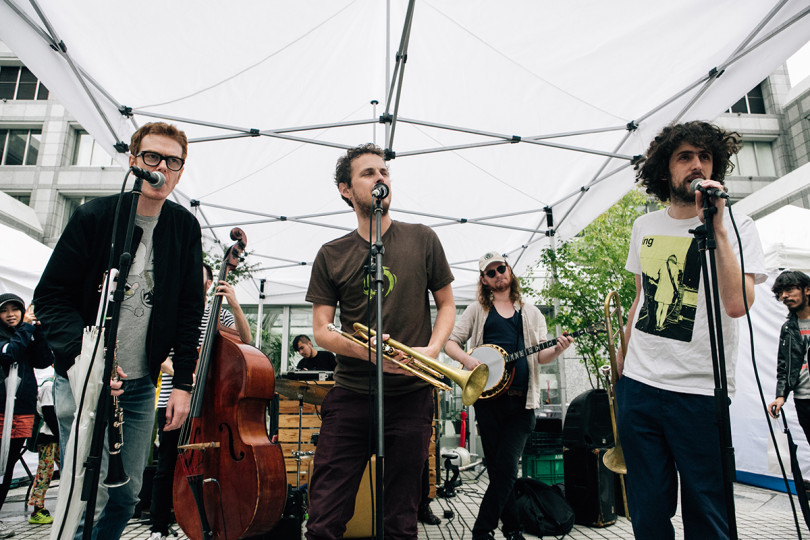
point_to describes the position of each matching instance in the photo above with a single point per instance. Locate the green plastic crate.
(547, 468)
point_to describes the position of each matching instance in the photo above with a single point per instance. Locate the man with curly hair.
(667, 422)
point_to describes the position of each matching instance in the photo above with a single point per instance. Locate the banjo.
(502, 364)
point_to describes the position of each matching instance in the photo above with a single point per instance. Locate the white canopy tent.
(510, 122)
(22, 261)
(786, 246)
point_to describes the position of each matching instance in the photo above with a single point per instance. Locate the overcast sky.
(799, 65)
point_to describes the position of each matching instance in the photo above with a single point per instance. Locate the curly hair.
(158, 128)
(652, 172)
(485, 292)
(343, 169)
(788, 280)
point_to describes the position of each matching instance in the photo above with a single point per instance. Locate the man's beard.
(680, 193)
(365, 208)
(799, 306)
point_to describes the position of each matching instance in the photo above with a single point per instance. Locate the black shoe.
(514, 535)
(427, 516)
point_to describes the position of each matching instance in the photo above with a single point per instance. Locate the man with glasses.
(161, 309)
(793, 289)
(310, 358)
(501, 318)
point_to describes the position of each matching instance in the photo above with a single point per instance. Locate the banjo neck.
(539, 347)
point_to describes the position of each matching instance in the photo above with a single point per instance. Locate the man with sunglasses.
(501, 318)
(161, 309)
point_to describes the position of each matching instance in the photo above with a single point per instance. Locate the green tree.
(213, 257)
(587, 268)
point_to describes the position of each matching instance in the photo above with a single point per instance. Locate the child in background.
(47, 446)
(21, 343)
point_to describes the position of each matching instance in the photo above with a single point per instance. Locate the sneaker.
(426, 515)
(41, 517)
(157, 536)
(5, 531)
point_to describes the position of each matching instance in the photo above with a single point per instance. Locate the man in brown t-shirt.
(414, 265)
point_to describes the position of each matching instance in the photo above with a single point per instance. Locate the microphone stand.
(94, 459)
(707, 244)
(376, 269)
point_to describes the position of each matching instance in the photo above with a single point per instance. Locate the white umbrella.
(12, 381)
(85, 382)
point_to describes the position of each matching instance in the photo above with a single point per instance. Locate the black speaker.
(589, 486)
(587, 421)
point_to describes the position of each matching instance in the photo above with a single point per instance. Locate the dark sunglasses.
(491, 273)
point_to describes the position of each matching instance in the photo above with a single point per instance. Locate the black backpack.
(542, 509)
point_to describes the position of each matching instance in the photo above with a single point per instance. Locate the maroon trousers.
(344, 445)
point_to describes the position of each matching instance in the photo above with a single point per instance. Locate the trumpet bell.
(473, 384)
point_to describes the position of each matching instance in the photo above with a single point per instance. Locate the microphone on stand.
(711, 192)
(380, 191)
(155, 179)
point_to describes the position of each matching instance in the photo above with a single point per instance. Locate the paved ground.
(761, 515)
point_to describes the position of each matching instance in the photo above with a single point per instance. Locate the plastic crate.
(547, 468)
(543, 443)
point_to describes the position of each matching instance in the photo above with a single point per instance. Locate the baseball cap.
(6, 298)
(489, 257)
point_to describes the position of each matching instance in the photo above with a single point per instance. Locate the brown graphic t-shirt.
(413, 264)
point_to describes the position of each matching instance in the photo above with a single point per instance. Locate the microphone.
(711, 192)
(154, 178)
(380, 191)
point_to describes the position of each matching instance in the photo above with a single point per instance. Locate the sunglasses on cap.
(491, 273)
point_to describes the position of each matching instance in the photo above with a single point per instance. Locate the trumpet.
(472, 383)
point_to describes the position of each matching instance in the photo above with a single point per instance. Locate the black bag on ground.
(542, 508)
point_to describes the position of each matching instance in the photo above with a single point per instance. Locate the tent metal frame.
(390, 118)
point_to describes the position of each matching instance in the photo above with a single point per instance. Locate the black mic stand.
(94, 458)
(707, 244)
(376, 269)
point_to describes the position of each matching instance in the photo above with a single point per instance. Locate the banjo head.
(493, 356)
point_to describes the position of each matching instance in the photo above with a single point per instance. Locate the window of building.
(89, 153)
(755, 158)
(24, 198)
(19, 146)
(72, 202)
(17, 82)
(751, 103)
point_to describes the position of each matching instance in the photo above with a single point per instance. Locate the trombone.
(472, 383)
(614, 457)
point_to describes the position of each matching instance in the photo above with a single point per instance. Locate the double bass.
(230, 480)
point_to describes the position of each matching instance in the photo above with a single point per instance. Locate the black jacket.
(28, 348)
(791, 357)
(67, 295)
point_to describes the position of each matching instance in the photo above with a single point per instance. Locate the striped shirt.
(166, 386)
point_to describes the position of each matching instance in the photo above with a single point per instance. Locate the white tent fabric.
(22, 261)
(784, 240)
(540, 96)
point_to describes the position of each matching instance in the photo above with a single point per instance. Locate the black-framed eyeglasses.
(153, 159)
(491, 273)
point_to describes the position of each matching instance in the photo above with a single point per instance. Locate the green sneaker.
(41, 517)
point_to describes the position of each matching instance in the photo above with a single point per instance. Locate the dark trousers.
(13, 455)
(162, 484)
(803, 413)
(665, 435)
(504, 423)
(344, 446)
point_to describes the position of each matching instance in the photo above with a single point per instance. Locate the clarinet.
(115, 437)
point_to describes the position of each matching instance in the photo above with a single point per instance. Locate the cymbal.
(312, 393)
